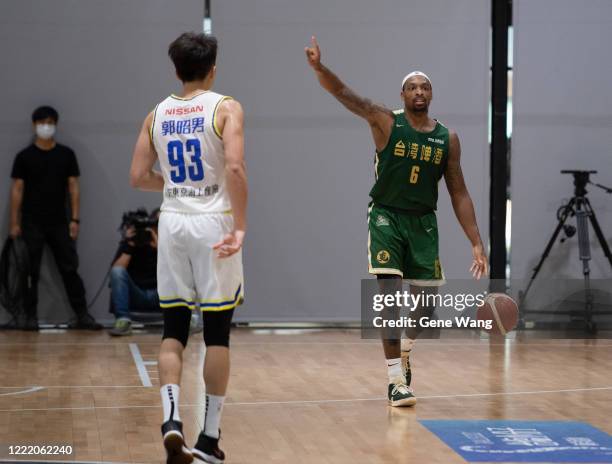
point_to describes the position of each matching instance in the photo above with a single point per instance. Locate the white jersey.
(190, 151)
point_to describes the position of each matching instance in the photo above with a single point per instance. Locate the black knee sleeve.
(217, 327)
(176, 323)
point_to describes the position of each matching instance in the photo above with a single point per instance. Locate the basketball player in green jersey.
(413, 152)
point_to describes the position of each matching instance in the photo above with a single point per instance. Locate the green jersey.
(409, 167)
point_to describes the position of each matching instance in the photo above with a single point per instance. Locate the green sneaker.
(406, 371)
(122, 327)
(400, 394)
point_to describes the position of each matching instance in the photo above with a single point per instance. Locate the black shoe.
(84, 322)
(177, 452)
(207, 449)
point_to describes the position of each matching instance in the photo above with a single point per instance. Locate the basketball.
(501, 310)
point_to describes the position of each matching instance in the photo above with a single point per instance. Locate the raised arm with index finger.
(379, 118)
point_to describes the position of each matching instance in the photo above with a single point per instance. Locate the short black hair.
(44, 112)
(193, 55)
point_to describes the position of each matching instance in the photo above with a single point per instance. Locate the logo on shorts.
(383, 257)
(382, 220)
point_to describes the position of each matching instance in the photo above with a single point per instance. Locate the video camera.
(581, 179)
(141, 221)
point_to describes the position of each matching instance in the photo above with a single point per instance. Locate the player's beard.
(420, 109)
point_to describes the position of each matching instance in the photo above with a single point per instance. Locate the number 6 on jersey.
(414, 174)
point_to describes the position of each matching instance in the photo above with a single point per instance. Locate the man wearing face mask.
(42, 175)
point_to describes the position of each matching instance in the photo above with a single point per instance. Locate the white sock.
(212, 415)
(170, 401)
(394, 369)
(407, 344)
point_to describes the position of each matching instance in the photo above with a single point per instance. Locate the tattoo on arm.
(453, 175)
(363, 107)
(360, 106)
(454, 178)
(460, 198)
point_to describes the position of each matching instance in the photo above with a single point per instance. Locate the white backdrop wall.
(103, 64)
(562, 120)
(311, 162)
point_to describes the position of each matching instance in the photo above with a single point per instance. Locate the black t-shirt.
(45, 174)
(143, 265)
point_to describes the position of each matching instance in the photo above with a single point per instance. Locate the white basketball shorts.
(189, 273)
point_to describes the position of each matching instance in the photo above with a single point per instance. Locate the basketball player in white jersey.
(198, 139)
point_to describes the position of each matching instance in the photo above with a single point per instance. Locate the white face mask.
(45, 131)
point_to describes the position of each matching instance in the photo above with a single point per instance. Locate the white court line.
(483, 342)
(324, 401)
(461, 395)
(71, 462)
(150, 363)
(431, 342)
(142, 370)
(74, 386)
(22, 392)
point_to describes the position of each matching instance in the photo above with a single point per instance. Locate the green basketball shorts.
(404, 244)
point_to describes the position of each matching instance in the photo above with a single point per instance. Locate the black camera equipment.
(141, 222)
(578, 206)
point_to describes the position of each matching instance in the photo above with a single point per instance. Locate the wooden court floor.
(294, 396)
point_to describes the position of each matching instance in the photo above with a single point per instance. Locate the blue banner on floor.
(523, 441)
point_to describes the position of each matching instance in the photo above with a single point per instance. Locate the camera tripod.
(580, 207)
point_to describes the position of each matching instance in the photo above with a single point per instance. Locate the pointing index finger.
(313, 41)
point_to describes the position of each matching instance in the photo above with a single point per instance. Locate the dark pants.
(63, 248)
(125, 294)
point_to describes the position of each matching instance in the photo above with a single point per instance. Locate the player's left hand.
(480, 265)
(73, 230)
(230, 244)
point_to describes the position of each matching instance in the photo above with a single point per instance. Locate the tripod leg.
(522, 296)
(590, 326)
(600, 235)
(550, 244)
(583, 211)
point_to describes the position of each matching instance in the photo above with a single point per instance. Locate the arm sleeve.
(18, 171)
(73, 165)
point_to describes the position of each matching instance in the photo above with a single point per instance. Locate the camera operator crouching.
(133, 279)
